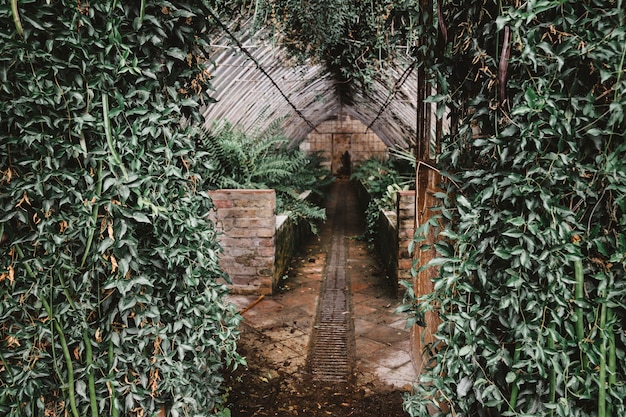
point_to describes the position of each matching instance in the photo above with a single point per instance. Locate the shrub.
(531, 259)
(382, 179)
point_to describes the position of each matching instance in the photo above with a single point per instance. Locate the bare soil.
(260, 390)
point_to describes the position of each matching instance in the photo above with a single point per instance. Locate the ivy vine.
(532, 255)
(111, 297)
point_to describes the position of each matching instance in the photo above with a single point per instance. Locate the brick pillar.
(406, 230)
(246, 222)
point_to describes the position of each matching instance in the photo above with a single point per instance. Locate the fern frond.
(233, 159)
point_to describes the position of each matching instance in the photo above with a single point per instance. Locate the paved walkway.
(377, 343)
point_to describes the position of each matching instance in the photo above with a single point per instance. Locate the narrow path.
(331, 354)
(295, 367)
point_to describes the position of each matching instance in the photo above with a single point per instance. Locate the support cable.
(259, 67)
(399, 83)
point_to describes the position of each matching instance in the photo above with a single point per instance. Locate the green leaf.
(531, 98)
(517, 221)
(140, 217)
(502, 253)
(514, 233)
(438, 261)
(461, 200)
(465, 350)
(176, 53)
(502, 21)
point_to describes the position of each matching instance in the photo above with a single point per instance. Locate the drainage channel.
(332, 343)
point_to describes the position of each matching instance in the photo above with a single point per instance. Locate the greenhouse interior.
(322, 208)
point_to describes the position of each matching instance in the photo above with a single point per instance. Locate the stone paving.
(382, 344)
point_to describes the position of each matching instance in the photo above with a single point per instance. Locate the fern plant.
(234, 159)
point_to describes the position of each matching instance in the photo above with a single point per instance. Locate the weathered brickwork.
(246, 220)
(257, 244)
(406, 230)
(341, 134)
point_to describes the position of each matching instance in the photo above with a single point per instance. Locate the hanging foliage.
(532, 258)
(110, 293)
(354, 39)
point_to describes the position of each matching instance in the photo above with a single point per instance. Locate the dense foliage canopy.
(354, 39)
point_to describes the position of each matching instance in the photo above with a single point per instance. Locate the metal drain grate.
(334, 307)
(329, 361)
(330, 357)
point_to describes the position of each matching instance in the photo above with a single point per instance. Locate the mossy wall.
(289, 235)
(387, 245)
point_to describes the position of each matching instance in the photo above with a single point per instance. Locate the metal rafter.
(259, 67)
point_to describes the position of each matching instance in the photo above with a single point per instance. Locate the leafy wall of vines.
(110, 293)
(532, 250)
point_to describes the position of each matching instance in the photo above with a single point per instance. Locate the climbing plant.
(532, 251)
(110, 293)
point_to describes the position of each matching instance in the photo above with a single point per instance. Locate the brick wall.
(395, 234)
(406, 230)
(341, 134)
(246, 220)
